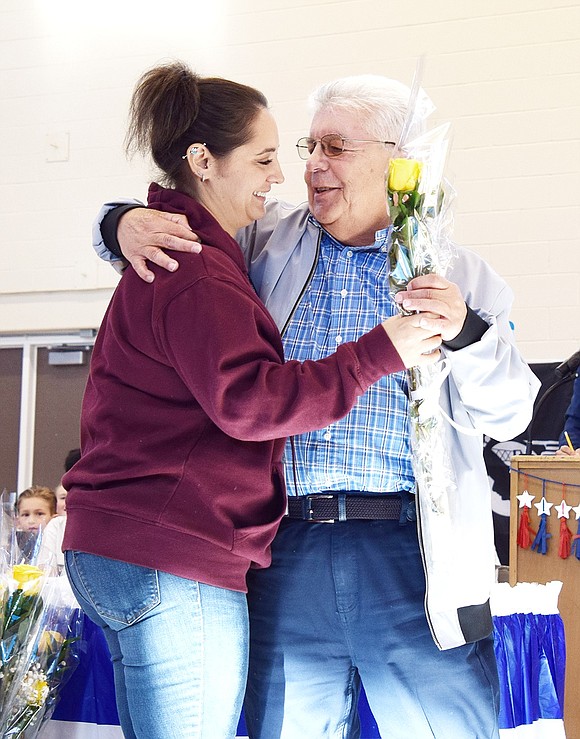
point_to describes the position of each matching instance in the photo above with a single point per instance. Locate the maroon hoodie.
(186, 409)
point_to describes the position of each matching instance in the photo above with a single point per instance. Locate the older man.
(353, 595)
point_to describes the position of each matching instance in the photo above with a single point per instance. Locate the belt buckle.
(308, 513)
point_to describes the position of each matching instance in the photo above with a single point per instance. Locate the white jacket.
(490, 390)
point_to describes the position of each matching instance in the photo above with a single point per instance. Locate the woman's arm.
(240, 379)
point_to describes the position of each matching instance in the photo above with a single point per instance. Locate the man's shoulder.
(280, 212)
(470, 266)
(284, 207)
(479, 283)
(281, 228)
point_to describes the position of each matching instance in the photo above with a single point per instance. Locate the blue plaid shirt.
(368, 450)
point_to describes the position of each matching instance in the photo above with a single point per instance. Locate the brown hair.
(173, 107)
(38, 491)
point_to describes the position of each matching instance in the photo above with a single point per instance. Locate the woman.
(179, 488)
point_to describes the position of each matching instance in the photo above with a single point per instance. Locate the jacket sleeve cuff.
(473, 329)
(110, 224)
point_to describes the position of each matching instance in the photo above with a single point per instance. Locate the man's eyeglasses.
(333, 145)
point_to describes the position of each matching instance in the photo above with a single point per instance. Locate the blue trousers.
(341, 605)
(179, 647)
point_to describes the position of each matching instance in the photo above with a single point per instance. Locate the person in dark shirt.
(572, 425)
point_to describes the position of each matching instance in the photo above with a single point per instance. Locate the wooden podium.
(547, 476)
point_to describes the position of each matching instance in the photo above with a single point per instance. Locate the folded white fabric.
(525, 597)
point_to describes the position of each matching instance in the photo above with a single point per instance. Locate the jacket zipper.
(295, 306)
(305, 286)
(422, 552)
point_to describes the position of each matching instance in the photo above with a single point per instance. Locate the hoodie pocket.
(253, 542)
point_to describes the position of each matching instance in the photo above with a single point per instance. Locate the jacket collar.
(200, 220)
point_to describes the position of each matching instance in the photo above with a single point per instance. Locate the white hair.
(382, 102)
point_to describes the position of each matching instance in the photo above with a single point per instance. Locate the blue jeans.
(179, 647)
(340, 606)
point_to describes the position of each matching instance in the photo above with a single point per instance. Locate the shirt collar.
(381, 243)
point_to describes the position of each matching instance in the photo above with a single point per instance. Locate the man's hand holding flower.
(434, 294)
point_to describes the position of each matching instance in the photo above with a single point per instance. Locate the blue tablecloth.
(530, 651)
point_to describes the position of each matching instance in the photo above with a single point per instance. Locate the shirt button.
(349, 254)
(338, 339)
(327, 436)
(384, 248)
(344, 293)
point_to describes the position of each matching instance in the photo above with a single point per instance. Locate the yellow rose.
(50, 641)
(404, 174)
(38, 693)
(27, 577)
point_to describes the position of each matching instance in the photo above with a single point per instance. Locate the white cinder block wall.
(507, 76)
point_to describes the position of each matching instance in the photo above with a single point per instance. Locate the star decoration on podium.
(576, 510)
(526, 499)
(563, 509)
(543, 507)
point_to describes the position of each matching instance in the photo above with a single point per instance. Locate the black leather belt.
(325, 508)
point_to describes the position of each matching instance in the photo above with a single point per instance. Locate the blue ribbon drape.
(530, 650)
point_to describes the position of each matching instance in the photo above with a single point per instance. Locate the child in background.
(35, 507)
(71, 459)
(60, 493)
(51, 546)
(51, 554)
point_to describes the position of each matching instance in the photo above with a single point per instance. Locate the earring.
(201, 176)
(192, 151)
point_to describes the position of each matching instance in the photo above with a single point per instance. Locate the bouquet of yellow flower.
(21, 604)
(43, 657)
(418, 201)
(40, 627)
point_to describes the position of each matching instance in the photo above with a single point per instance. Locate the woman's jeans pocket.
(116, 593)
